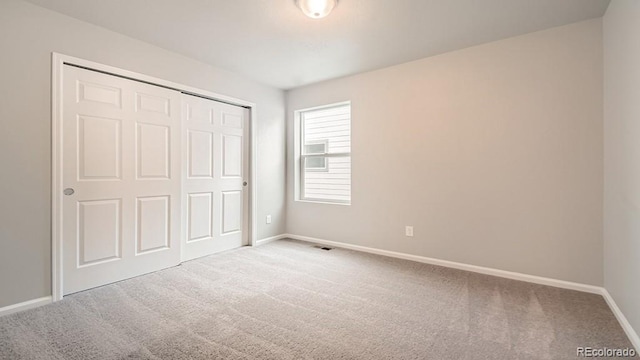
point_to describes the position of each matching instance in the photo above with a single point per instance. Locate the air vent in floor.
(323, 247)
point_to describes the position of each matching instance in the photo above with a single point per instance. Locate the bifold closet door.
(121, 178)
(215, 171)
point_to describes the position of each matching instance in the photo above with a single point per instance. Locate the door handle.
(245, 183)
(68, 191)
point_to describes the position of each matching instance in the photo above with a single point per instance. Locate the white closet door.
(215, 166)
(121, 160)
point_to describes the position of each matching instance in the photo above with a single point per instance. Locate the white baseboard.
(12, 309)
(628, 329)
(456, 265)
(271, 239)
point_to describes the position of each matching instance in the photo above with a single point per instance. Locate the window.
(324, 153)
(316, 163)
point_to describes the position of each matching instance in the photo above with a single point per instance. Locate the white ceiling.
(271, 41)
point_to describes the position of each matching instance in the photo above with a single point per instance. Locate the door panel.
(232, 120)
(99, 93)
(153, 104)
(216, 164)
(232, 156)
(200, 154)
(153, 224)
(100, 232)
(121, 156)
(154, 151)
(99, 148)
(231, 211)
(200, 216)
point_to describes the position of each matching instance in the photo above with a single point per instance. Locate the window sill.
(322, 202)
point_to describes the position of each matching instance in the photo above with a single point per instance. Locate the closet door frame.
(58, 61)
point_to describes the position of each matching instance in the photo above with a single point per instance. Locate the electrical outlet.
(268, 219)
(408, 231)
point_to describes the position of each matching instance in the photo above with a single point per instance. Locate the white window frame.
(300, 157)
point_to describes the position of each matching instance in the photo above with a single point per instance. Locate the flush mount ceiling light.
(316, 9)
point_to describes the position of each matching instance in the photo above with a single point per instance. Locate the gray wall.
(28, 35)
(622, 156)
(493, 153)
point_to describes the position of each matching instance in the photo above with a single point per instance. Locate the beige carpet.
(289, 300)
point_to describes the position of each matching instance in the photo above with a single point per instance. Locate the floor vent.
(322, 247)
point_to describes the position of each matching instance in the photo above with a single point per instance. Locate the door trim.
(57, 67)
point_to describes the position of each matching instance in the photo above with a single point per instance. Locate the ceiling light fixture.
(316, 9)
